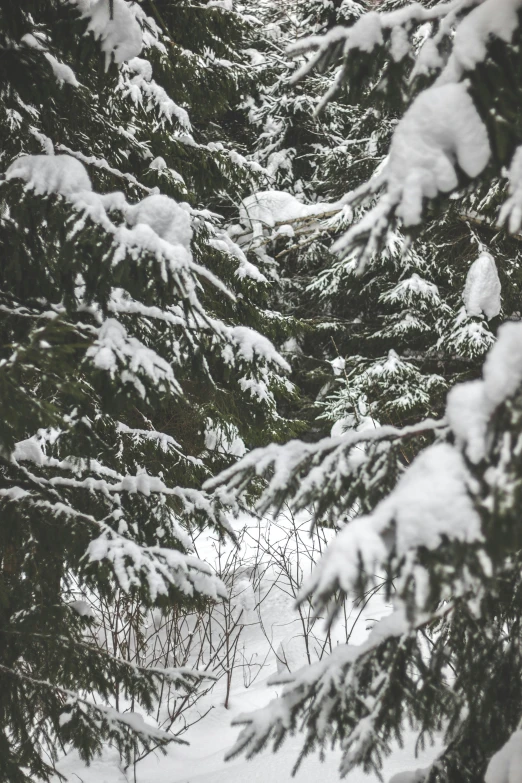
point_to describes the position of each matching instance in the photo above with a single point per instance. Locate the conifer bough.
(124, 341)
(447, 533)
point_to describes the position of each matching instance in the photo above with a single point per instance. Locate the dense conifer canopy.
(223, 225)
(130, 366)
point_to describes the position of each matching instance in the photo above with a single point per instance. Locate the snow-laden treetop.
(443, 138)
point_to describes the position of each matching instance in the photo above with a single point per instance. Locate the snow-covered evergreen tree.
(129, 370)
(399, 328)
(442, 527)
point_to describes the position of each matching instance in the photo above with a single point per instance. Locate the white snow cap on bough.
(45, 174)
(119, 32)
(170, 220)
(482, 290)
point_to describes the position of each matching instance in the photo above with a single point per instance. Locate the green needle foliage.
(434, 506)
(130, 364)
(397, 328)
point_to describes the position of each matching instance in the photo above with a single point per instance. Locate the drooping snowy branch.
(298, 472)
(441, 135)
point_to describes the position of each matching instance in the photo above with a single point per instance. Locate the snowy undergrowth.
(266, 636)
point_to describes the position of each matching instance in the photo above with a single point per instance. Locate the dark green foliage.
(432, 508)
(126, 368)
(398, 322)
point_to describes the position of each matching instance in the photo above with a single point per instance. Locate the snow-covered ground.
(202, 761)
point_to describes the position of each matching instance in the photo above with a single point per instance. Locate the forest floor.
(202, 761)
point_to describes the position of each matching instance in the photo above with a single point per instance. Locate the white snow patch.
(28, 450)
(120, 37)
(441, 128)
(482, 290)
(142, 85)
(82, 608)
(268, 208)
(470, 405)
(158, 163)
(140, 67)
(50, 174)
(225, 442)
(251, 344)
(506, 765)
(168, 219)
(63, 73)
(430, 501)
(491, 18)
(114, 351)
(338, 365)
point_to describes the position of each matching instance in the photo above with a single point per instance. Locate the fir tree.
(397, 332)
(127, 370)
(444, 529)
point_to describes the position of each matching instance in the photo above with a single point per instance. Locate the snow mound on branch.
(28, 450)
(251, 344)
(470, 405)
(511, 211)
(411, 289)
(482, 290)
(142, 85)
(223, 242)
(168, 219)
(62, 72)
(440, 134)
(120, 36)
(270, 207)
(506, 765)
(434, 490)
(224, 441)
(141, 68)
(430, 501)
(492, 18)
(161, 226)
(114, 349)
(50, 174)
(82, 608)
(440, 129)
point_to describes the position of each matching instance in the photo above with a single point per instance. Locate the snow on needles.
(431, 501)
(470, 405)
(158, 223)
(492, 18)
(63, 73)
(441, 134)
(169, 220)
(50, 174)
(440, 131)
(434, 498)
(141, 85)
(268, 208)
(482, 290)
(441, 127)
(115, 352)
(119, 33)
